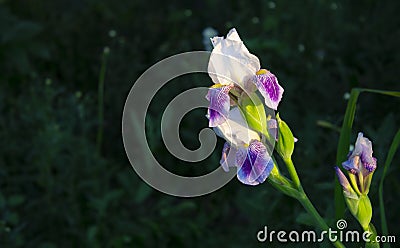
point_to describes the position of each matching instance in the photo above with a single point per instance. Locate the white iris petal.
(235, 129)
(230, 61)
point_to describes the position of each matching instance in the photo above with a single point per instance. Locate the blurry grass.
(392, 150)
(100, 99)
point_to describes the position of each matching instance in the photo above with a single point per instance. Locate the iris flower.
(235, 71)
(361, 165)
(233, 68)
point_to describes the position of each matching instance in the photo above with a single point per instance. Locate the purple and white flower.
(231, 63)
(244, 150)
(235, 72)
(361, 165)
(360, 160)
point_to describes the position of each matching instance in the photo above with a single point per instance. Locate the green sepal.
(352, 202)
(367, 182)
(282, 184)
(285, 143)
(254, 112)
(353, 181)
(364, 213)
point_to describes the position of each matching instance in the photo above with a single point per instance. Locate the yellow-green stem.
(320, 222)
(293, 173)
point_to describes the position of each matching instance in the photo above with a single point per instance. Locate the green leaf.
(328, 125)
(285, 143)
(392, 150)
(343, 148)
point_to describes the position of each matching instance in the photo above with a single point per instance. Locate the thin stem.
(309, 207)
(293, 173)
(305, 201)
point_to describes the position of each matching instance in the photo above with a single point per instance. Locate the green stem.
(370, 228)
(309, 207)
(305, 201)
(293, 173)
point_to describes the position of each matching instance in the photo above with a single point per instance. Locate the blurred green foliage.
(56, 190)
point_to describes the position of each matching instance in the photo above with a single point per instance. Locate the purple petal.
(269, 88)
(228, 157)
(254, 163)
(219, 105)
(367, 160)
(342, 179)
(370, 166)
(352, 164)
(363, 150)
(347, 189)
(273, 128)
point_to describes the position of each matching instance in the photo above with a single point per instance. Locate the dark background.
(58, 190)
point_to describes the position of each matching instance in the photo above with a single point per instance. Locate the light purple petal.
(228, 157)
(273, 128)
(254, 163)
(219, 105)
(370, 166)
(342, 179)
(352, 164)
(269, 88)
(363, 151)
(347, 189)
(365, 145)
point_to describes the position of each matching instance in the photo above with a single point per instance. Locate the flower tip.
(342, 179)
(337, 169)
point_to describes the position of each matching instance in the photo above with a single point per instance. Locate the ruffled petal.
(363, 149)
(218, 109)
(235, 129)
(269, 88)
(352, 164)
(254, 163)
(365, 145)
(230, 61)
